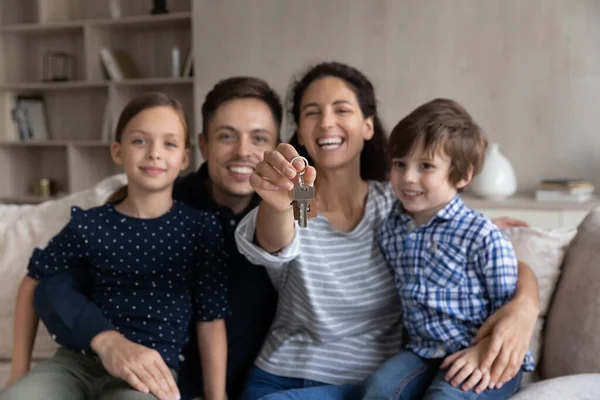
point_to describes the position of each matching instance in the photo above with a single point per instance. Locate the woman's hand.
(275, 177)
(510, 329)
(508, 222)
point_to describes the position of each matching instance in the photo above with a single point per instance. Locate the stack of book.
(577, 190)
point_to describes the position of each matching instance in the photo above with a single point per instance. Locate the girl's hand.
(143, 368)
(275, 177)
(465, 367)
(15, 375)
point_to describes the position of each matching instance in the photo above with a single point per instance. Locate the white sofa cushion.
(544, 252)
(571, 387)
(25, 227)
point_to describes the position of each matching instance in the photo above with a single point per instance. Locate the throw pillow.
(572, 342)
(25, 227)
(544, 252)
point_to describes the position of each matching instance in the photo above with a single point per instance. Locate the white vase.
(497, 178)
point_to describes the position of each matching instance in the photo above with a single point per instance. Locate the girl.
(155, 264)
(338, 317)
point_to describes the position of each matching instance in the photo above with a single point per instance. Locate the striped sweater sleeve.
(244, 237)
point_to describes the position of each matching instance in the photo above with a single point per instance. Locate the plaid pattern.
(451, 274)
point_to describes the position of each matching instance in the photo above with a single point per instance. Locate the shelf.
(27, 199)
(527, 201)
(75, 85)
(56, 143)
(48, 28)
(154, 81)
(89, 143)
(42, 86)
(149, 20)
(72, 26)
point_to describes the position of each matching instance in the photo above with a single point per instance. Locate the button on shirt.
(451, 274)
(150, 277)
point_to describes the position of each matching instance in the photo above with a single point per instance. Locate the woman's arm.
(273, 179)
(25, 329)
(511, 328)
(212, 343)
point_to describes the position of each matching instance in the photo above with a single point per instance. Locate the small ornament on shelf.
(114, 7)
(59, 66)
(44, 187)
(159, 7)
(497, 178)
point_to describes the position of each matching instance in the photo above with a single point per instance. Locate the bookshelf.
(76, 154)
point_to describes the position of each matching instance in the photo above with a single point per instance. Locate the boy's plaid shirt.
(451, 274)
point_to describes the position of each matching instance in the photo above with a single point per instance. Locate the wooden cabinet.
(545, 215)
(76, 154)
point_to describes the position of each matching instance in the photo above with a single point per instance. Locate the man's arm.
(69, 315)
(511, 328)
(77, 323)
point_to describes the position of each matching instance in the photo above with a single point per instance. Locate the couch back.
(25, 227)
(572, 340)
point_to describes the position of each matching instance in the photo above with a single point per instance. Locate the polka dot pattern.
(151, 277)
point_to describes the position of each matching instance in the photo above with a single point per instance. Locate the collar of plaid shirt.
(455, 207)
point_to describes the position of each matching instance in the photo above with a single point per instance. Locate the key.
(302, 196)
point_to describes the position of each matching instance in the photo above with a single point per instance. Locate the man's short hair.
(241, 87)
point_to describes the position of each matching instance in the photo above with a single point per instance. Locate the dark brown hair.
(373, 160)
(144, 102)
(133, 108)
(442, 124)
(241, 87)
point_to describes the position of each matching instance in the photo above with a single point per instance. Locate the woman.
(338, 317)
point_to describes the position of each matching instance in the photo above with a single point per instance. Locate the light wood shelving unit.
(75, 157)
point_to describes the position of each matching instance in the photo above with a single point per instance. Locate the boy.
(453, 267)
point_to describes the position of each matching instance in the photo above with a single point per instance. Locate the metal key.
(301, 196)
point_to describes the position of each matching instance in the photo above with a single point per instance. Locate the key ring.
(300, 173)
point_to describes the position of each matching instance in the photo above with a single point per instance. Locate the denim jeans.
(408, 376)
(262, 385)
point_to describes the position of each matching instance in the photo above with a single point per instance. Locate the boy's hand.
(465, 367)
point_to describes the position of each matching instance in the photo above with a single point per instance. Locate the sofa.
(566, 342)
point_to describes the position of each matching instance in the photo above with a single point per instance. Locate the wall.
(529, 71)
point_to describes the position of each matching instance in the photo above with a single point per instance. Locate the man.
(241, 119)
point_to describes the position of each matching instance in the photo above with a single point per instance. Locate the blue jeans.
(408, 376)
(262, 385)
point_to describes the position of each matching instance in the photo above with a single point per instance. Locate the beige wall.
(528, 70)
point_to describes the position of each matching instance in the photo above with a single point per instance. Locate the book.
(106, 134)
(567, 185)
(188, 66)
(559, 195)
(118, 64)
(31, 118)
(11, 133)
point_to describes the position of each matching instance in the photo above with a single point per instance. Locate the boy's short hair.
(442, 124)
